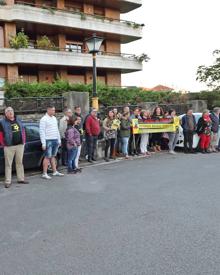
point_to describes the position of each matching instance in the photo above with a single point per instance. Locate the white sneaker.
(172, 152)
(58, 174)
(46, 177)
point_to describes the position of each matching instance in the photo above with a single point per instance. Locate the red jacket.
(92, 126)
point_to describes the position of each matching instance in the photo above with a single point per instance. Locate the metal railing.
(35, 104)
(83, 15)
(84, 51)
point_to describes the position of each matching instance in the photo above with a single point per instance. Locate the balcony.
(124, 31)
(123, 62)
(129, 5)
(123, 5)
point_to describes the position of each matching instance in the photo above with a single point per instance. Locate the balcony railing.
(85, 51)
(118, 61)
(82, 14)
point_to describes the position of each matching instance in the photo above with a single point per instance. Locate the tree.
(211, 74)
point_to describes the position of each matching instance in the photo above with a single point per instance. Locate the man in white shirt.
(50, 139)
(62, 127)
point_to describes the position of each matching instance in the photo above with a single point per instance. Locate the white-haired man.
(12, 137)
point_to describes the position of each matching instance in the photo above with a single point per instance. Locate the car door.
(33, 151)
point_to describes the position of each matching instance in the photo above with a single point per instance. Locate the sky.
(179, 36)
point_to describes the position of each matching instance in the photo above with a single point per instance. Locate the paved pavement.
(152, 216)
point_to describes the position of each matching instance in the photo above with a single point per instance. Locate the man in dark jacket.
(215, 126)
(92, 128)
(189, 126)
(12, 137)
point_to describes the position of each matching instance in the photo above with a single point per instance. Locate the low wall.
(81, 99)
(198, 106)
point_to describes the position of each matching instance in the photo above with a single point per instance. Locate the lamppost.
(93, 44)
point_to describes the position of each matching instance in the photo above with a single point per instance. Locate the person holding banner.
(134, 141)
(145, 115)
(125, 133)
(110, 125)
(158, 114)
(173, 136)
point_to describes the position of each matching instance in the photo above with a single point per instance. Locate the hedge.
(108, 96)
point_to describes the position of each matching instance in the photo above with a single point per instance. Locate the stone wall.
(81, 99)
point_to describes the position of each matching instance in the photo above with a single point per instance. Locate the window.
(32, 132)
(74, 47)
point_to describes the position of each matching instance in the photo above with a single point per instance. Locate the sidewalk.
(83, 164)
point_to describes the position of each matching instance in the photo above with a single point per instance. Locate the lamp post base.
(95, 103)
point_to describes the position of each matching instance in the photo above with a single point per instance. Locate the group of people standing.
(124, 142)
(73, 131)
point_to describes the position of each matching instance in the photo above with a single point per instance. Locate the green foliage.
(134, 25)
(20, 40)
(142, 58)
(108, 96)
(212, 97)
(211, 74)
(83, 16)
(2, 2)
(45, 43)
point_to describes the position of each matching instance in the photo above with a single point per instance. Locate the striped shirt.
(49, 129)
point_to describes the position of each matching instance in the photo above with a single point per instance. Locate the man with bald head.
(12, 137)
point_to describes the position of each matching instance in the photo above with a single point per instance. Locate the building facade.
(65, 24)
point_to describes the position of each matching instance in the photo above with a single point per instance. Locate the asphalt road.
(147, 216)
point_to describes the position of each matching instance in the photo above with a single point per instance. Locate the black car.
(33, 153)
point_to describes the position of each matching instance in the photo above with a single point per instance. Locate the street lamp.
(93, 44)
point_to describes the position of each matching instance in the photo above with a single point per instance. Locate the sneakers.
(46, 177)
(172, 152)
(58, 174)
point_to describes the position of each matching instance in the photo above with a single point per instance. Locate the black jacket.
(203, 127)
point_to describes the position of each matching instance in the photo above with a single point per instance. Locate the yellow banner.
(163, 126)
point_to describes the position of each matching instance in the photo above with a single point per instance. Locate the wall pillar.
(112, 46)
(110, 13)
(12, 73)
(39, 3)
(10, 2)
(61, 41)
(88, 77)
(61, 4)
(9, 31)
(114, 78)
(88, 9)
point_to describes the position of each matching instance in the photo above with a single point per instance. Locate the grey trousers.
(10, 152)
(173, 138)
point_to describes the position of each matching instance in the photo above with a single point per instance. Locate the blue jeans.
(124, 141)
(72, 153)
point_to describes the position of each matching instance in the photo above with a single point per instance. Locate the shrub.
(108, 96)
(20, 40)
(45, 43)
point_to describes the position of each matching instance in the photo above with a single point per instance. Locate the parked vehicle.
(195, 137)
(33, 153)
